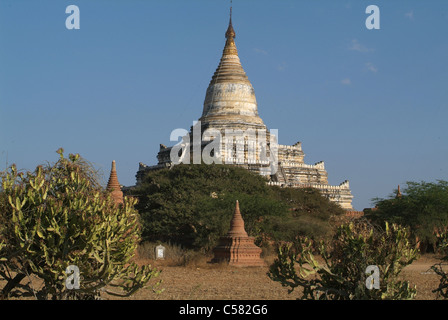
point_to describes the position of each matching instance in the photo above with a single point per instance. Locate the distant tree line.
(421, 206)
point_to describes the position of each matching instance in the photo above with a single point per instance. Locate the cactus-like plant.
(58, 216)
(440, 268)
(342, 275)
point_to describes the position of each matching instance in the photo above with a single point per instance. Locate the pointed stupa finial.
(237, 224)
(237, 209)
(113, 185)
(398, 193)
(113, 179)
(230, 33)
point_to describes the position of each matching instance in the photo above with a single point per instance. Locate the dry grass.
(200, 280)
(197, 279)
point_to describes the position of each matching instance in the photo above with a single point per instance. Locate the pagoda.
(114, 186)
(230, 105)
(236, 248)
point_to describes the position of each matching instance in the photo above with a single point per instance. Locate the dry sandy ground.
(217, 282)
(204, 281)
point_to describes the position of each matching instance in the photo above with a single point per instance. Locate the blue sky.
(372, 104)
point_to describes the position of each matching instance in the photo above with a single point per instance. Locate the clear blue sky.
(372, 104)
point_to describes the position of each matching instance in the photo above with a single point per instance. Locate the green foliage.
(308, 201)
(423, 207)
(342, 274)
(440, 268)
(193, 204)
(58, 216)
(310, 214)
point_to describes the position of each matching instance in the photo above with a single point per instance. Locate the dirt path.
(420, 274)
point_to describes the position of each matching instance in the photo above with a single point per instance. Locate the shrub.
(342, 276)
(442, 289)
(58, 216)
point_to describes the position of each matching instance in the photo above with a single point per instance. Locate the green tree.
(310, 215)
(58, 216)
(342, 274)
(193, 204)
(440, 268)
(423, 207)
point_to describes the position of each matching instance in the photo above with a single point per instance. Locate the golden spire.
(230, 47)
(229, 68)
(230, 33)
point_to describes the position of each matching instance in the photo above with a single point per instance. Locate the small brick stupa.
(399, 195)
(114, 186)
(236, 247)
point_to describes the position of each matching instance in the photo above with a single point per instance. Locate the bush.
(58, 216)
(342, 276)
(423, 207)
(442, 289)
(192, 205)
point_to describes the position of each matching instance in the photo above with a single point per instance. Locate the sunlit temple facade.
(230, 131)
